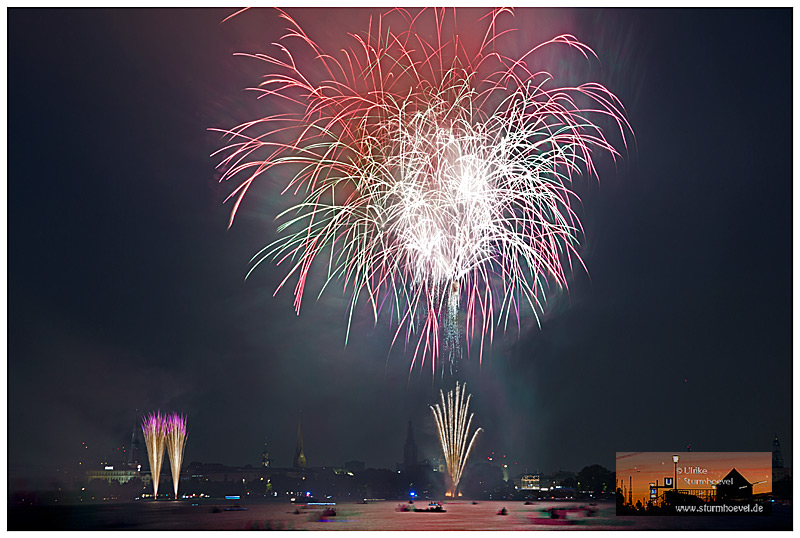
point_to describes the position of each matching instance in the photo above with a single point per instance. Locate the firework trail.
(453, 426)
(175, 427)
(154, 427)
(436, 180)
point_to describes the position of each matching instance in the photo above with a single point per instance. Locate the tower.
(410, 449)
(133, 454)
(777, 458)
(299, 461)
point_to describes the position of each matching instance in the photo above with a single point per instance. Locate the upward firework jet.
(436, 174)
(176, 442)
(154, 429)
(453, 426)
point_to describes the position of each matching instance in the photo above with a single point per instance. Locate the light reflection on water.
(375, 516)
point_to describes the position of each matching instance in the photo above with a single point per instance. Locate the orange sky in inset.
(642, 468)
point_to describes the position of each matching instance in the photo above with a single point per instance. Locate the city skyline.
(123, 455)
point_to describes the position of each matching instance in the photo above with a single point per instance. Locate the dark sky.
(126, 290)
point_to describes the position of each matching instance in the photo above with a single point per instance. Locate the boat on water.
(568, 515)
(432, 507)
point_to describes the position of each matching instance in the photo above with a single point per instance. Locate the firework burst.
(436, 180)
(175, 427)
(453, 427)
(154, 427)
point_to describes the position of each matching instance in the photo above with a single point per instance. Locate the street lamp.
(675, 459)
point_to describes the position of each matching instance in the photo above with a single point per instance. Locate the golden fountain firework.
(154, 429)
(176, 442)
(453, 425)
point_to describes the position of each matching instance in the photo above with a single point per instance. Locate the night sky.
(126, 290)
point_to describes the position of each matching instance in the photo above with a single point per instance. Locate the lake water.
(380, 515)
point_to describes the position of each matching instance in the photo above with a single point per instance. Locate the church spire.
(299, 461)
(133, 452)
(777, 458)
(410, 455)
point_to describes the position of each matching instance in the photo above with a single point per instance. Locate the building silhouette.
(781, 476)
(299, 461)
(777, 458)
(410, 452)
(112, 473)
(134, 452)
(734, 487)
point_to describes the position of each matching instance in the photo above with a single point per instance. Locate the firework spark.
(175, 426)
(453, 426)
(436, 181)
(154, 429)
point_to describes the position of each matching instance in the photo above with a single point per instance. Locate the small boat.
(432, 507)
(555, 516)
(322, 515)
(502, 512)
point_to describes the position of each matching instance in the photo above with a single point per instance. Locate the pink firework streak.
(436, 179)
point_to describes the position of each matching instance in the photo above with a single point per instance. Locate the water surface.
(375, 516)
